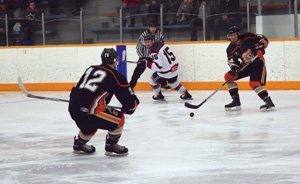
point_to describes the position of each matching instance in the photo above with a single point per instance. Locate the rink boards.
(202, 65)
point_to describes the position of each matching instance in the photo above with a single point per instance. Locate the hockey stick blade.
(24, 90)
(191, 106)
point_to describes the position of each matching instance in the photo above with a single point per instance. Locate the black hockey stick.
(191, 106)
(24, 90)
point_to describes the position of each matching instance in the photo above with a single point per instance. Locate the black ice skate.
(186, 96)
(115, 150)
(269, 106)
(82, 148)
(160, 96)
(235, 105)
(166, 88)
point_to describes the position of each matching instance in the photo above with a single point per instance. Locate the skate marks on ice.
(165, 144)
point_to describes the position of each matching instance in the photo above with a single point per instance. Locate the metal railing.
(161, 18)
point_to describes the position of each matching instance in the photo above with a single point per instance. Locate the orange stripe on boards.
(145, 86)
(38, 87)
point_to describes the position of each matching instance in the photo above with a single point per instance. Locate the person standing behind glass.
(229, 16)
(211, 9)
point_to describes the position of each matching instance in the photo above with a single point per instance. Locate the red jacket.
(132, 2)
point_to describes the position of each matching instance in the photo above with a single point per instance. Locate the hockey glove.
(127, 110)
(234, 70)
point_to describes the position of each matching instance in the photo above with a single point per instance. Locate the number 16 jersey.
(164, 61)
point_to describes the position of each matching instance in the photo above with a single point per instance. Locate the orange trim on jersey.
(234, 50)
(263, 75)
(248, 38)
(99, 105)
(113, 75)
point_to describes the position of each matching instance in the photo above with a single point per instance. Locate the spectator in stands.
(211, 7)
(30, 25)
(3, 11)
(131, 8)
(229, 10)
(171, 7)
(149, 11)
(154, 11)
(185, 12)
(144, 11)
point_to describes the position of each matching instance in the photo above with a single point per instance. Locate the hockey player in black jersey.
(143, 52)
(243, 48)
(89, 101)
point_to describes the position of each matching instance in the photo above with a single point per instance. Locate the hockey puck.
(192, 114)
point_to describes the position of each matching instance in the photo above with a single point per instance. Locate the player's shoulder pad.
(246, 36)
(156, 47)
(119, 78)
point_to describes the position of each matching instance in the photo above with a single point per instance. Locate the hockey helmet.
(233, 29)
(149, 37)
(110, 56)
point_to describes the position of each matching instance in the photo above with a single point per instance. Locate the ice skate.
(115, 150)
(160, 96)
(269, 106)
(82, 148)
(165, 88)
(235, 105)
(186, 96)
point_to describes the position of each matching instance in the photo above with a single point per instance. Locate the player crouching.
(88, 105)
(244, 47)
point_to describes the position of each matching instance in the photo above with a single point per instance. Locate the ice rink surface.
(166, 146)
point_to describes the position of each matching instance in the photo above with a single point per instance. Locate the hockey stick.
(124, 58)
(24, 90)
(191, 106)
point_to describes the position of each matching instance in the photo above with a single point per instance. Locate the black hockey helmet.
(149, 37)
(233, 29)
(110, 56)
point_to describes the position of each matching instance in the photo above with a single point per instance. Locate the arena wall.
(202, 65)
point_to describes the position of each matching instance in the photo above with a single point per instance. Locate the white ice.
(165, 144)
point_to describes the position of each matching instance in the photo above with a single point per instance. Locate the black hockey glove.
(127, 110)
(145, 62)
(234, 70)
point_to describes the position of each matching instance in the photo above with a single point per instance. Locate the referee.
(143, 52)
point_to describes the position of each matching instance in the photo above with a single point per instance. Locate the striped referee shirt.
(141, 48)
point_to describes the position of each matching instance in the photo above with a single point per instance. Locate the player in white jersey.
(166, 68)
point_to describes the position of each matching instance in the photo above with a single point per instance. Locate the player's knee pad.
(174, 84)
(254, 84)
(227, 76)
(152, 82)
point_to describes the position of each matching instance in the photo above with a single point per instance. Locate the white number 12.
(90, 84)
